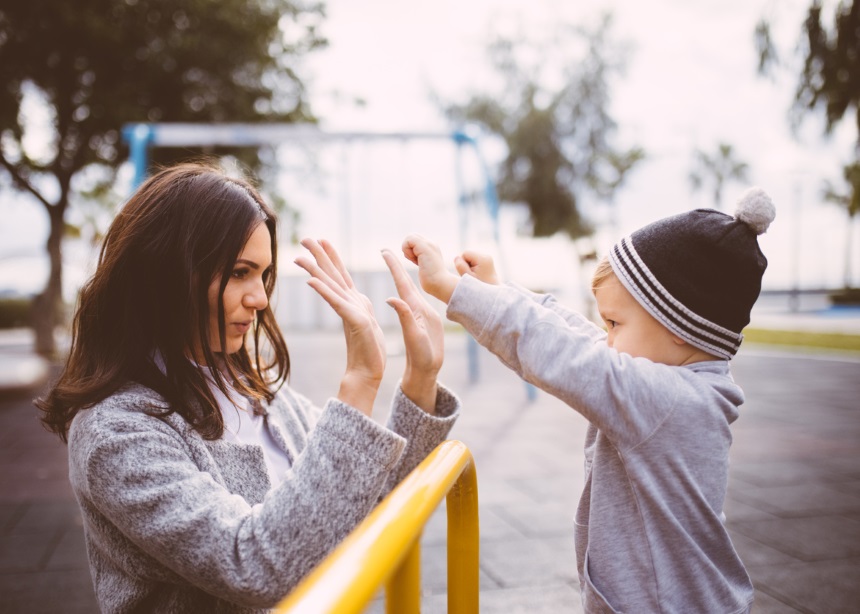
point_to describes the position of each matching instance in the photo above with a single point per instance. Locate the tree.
(717, 169)
(94, 65)
(830, 77)
(558, 135)
(850, 201)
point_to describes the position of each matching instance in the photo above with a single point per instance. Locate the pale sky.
(690, 83)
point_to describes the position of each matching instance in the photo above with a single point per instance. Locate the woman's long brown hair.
(146, 307)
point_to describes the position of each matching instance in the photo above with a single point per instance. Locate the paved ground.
(793, 507)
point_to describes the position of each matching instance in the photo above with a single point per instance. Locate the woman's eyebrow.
(250, 263)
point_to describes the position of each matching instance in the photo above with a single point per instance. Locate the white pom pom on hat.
(756, 210)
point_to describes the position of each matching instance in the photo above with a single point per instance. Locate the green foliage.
(830, 77)
(717, 169)
(101, 63)
(89, 66)
(803, 339)
(558, 135)
(831, 71)
(765, 47)
(14, 312)
(849, 297)
(849, 200)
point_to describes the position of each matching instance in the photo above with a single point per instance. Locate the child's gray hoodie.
(650, 533)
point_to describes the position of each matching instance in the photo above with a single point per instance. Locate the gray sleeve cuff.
(361, 433)
(405, 412)
(472, 304)
(422, 431)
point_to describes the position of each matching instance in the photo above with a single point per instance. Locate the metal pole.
(794, 297)
(461, 138)
(403, 590)
(463, 543)
(138, 137)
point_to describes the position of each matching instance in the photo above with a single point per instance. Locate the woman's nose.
(256, 298)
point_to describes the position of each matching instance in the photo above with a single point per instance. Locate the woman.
(206, 484)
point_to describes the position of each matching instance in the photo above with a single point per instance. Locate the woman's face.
(245, 293)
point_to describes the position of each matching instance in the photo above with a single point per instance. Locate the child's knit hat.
(699, 273)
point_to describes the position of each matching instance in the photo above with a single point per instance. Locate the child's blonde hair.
(601, 274)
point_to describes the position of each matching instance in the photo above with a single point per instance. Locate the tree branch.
(22, 182)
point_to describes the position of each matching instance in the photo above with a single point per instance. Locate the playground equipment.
(141, 137)
(385, 549)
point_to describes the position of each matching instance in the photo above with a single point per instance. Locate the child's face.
(633, 330)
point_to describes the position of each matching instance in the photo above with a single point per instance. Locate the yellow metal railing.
(385, 548)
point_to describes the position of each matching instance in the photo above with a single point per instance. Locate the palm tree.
(717, 169)
(850, 201)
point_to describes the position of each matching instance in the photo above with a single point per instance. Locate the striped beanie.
(699, 273)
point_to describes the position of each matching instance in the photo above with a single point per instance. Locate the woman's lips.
(241, 327)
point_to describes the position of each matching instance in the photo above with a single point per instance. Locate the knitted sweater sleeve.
(144, 479)
(421, 431)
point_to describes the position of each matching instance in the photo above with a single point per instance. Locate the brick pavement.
(793, 506)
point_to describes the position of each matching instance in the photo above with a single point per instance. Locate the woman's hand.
(423, 336)
(365, 346)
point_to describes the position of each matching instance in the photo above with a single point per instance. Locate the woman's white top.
(243, 426)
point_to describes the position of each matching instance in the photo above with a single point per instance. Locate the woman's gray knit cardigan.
(176, 523)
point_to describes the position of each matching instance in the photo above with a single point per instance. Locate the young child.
(656, 389)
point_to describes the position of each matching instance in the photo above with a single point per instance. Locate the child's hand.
(478, 264)
(435, 279)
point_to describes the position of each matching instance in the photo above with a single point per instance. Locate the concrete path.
(793, 506)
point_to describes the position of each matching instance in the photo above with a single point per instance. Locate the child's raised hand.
(478, 264)
(435, 279)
